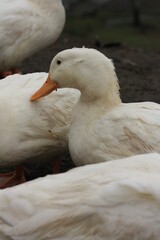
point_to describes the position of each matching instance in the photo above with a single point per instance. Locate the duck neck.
(88, 108)
(104, 99)
(103, 94)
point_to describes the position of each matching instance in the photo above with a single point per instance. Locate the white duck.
(103, 128)
(26, 26)
(31, 132)
(112, 200)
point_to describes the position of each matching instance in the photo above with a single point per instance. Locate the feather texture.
(114, 200)
(26, 26)
(33, 131)
(103, 128)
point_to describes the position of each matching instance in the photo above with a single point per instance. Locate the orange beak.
(46, 89)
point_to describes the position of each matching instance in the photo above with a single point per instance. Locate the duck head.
(85, 69)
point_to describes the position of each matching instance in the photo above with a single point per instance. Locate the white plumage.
(26, 26)
(32, 131)
(116, 200)
(103, 128)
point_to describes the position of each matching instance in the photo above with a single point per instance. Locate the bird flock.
(114, 191)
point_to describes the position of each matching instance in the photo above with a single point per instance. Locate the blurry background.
(131, 22)
(128, 31)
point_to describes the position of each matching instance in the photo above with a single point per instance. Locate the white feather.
(33, 131)
(26, 26)
(103, 128)
(114, 200)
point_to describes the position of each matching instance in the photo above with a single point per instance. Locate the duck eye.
(59, 62)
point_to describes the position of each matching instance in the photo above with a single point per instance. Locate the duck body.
(29, 131)
(122, 131)
(103, 128)
(111, 200)
(26, 26)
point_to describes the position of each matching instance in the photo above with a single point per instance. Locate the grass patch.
(117, 30)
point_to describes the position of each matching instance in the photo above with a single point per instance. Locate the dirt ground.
(138, 72)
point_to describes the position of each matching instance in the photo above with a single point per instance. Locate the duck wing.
(129, 129)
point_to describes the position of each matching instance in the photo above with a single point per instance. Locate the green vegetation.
(116, 29)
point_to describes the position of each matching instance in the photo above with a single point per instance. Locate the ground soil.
(138, 72)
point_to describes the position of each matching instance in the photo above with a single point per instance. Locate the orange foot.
(13, 70)
(56, 166)
(5, 74)
(12, 178)
(16, 70)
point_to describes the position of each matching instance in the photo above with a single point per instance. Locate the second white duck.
(26, 26)
(103, 128)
